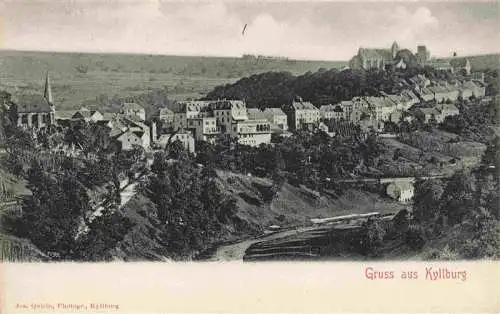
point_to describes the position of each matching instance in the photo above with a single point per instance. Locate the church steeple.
(47, 93)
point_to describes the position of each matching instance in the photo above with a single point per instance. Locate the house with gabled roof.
(88, 115)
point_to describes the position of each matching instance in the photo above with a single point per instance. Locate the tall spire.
(47, 93)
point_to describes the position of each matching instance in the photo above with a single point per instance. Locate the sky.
(318, 30)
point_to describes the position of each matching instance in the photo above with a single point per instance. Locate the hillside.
(258, 205)
(80, 77)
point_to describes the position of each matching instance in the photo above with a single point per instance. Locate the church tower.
(47, 93)
(394, 49)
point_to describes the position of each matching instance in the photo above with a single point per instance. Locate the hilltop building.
(35, 111)
(422, 54)
(378, 58)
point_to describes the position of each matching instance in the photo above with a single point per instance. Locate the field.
(84, 78)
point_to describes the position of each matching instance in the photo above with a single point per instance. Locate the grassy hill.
(79, 77)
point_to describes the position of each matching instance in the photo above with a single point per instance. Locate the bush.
(445, 254)
(415, 237)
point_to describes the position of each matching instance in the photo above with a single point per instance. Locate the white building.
(401, 191)
(252, 132)
(134, 110)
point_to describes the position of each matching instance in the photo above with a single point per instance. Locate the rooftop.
(303, 105)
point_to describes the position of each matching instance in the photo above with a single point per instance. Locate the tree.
(82, 68)
(52, 214)
(103, 235)
(485, 242)
(176, 150)
(458, 197)
(373, 236)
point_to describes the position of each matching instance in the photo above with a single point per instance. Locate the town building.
(209, 120)
(382, 107)
(461, 65)
(335, 112)
(166, 115)
(134, 110)
(420, 80)
(229, 112)
(425, 93)
(277, 117)
(444, 92)
(204, 128)
(302, 115)
(428, 114)
(88, 115)
(129, 132)
(440, 65)
(36, 111)
(446, 110)
(479, 89)
(477, 76)
(185, 137)
(252, 132)
(186, 110)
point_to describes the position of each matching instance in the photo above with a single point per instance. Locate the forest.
(327, 86)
